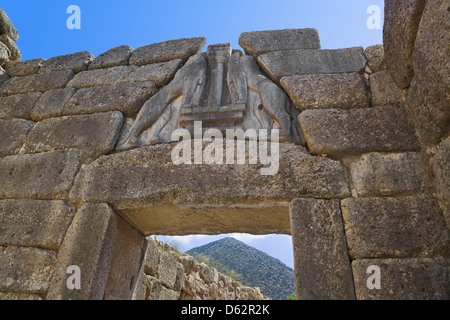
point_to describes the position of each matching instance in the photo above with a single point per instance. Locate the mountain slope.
(256, 268)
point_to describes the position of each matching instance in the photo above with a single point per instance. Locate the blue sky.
(107, 24)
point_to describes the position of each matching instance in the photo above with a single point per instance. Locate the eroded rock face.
(401, 23)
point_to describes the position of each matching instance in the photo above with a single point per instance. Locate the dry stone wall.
(370, 187)
(167, 274)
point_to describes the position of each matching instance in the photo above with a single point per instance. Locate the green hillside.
(252, 267)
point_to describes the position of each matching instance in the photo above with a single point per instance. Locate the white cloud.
(245, 237)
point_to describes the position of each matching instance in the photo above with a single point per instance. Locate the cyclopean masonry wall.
(167, 274)
(86, 170)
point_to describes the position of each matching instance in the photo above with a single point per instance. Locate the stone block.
(431, 45)
(427, 108)
(384, 91)
(23, 68)
(154, 288)
(5, 53)
(322, 264)
(159, 73)
(428, 97)
(440, 164)
(13, 132)
(102, 77)
(327, 91)
(118, 56)
(150, 199)
(166, 51)
(127, 98)
(18, 106)
(94, 134)
(26, 270)
(34, 223)
(404, 279)
(89, 244)
(37, 82)
(47, 175)
(404, 227)
(357, 131)
(171, 272)
(76, 62)
(280, 64)
(51, 103)
(7, 27)
(401, 23)
(151, 259)
(128, 254)
(393, 174)
(15, 52)
(259, 42)
(375, 58)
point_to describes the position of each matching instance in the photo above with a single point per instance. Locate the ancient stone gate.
(86, 170)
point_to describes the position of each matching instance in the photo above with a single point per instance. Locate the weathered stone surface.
(171, 272)
(129, 250)
(327, 91)
(401, 22)
(166, 51)
(3, 77)
(118, 56)
(429, 98)
(12, 296)
(89, 244)
(46, 175)
(51, 103)
(127, 98)
(384, 91)
(23, 68)
(26, 270)
(300, 62)
(37, 82)
(375, 58)
(5, 53)
(159, 73)
(404, 279)
(13, 133)
(395, 227)
(77, 62)
(259, 42)
(322, 264)
(427, 108)
(151, 260)
(342, 132)
(440, 164)
(431, 47)
(7, 27)
(157, 291)
(94, 135)
(160, 196)
(34, 223)
(15, 52)
(393, 174)
(102, 77)
(18, 106)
